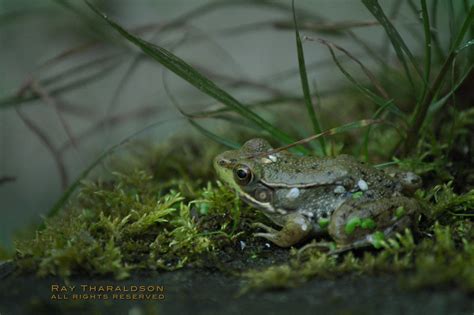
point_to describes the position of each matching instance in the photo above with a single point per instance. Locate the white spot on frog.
(302, 223)
(272, 158)
(339, 190)
(293, 193)
(362, 185)
(266, 161)
(304, 227)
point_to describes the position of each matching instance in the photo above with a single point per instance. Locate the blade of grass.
(191, 119)
(329, 132)
(434, 34)
(304, 83)
(422, 107)
(397, 42)
(86, 20)
(189, 74)
(438, 104)
(427, 30)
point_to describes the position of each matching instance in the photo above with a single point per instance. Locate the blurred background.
(70, 87)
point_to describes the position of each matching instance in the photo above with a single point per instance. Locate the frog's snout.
(413, 179)
(221, 161)
(410, 182)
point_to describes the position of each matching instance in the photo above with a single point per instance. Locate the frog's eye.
(242, 174)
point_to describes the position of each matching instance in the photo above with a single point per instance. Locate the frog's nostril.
(221, 162)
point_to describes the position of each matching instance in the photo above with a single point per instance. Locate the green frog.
(354, 203)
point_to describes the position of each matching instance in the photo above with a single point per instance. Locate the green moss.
(445, 259)
(144, 216)
(4, 254)
(323, 223)
(378, 239)
(147, 217)
(352, 224)
(399, 212)
(368, 223)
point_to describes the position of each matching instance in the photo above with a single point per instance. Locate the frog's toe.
(264, 227)
(276, 239)
(345, 248)
(320, 246)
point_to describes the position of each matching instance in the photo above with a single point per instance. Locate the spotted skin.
(299, 192)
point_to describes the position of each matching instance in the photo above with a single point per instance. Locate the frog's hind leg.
(373, 239)
(358, 224)
(295, 229)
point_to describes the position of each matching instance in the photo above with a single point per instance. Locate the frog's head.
(242, 170)
(410, 182)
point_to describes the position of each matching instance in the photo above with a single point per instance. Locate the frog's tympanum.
(352, 202)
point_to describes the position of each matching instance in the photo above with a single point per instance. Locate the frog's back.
(306, 171)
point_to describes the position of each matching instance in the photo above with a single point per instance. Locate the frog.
(310, 197)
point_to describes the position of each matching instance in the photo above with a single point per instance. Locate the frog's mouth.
(264, 206)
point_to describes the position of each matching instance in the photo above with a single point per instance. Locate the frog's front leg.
(295, 229)
(361, 223)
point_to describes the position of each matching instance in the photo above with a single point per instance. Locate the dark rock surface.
(203, 292)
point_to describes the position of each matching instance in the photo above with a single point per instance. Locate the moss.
(352, 224)
(399, 212)
(323, 223)
(4, 254)
(445, 259)
(137, 219)
(125, 224)
(158, 213)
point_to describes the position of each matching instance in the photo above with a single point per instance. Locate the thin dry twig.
(367, 72)
(110, 121)
(48, 99)
(6, 179)
(328, 132)
(48, 144)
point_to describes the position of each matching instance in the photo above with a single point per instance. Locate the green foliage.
(168, 213)
(446, 258)
(147, 219)
(4, 254)
(304, 83)
(142, 217)
(195, 78)
(136, 219)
